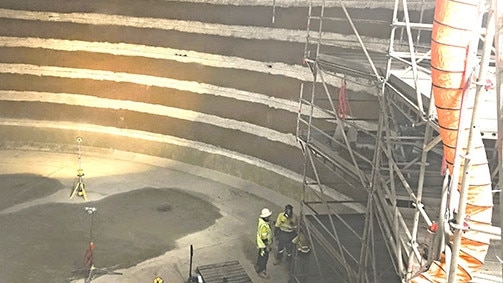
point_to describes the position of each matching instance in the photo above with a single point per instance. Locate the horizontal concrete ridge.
(148, 136)
(192, 86)
(236, 31)
(305, 3)
(299, 72)
(91, 101)
(185, 56)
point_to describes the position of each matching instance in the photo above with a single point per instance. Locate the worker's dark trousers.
(262, 260)
(285, 243)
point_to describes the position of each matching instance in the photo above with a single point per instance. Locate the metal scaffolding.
(383, 187)
(498, 8)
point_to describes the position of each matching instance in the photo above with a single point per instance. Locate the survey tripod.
(80, 188)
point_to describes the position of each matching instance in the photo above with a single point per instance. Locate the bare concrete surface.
(149, 211)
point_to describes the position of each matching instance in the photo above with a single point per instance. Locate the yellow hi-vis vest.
(264, 234)
(286, 224)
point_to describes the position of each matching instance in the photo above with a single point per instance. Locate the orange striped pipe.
(455, 22)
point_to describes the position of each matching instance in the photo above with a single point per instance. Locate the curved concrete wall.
(211, 85)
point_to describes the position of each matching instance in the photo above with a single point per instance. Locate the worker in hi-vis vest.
(284, 232)
(264, 241)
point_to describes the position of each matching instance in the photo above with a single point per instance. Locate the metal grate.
(230, 271)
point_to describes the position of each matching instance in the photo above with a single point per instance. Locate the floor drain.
(163, 208)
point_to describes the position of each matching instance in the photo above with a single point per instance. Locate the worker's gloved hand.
(262, 252)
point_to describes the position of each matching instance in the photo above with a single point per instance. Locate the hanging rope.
(343, 109)
(443, 168)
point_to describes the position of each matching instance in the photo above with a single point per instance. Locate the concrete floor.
(149, 211)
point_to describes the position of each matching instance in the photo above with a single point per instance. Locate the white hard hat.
(265, 213)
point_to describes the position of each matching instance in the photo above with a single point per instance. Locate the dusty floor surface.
(148, 213)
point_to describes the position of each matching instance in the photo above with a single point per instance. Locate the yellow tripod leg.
(75, 190)
(82, 191)
(79, 187)
(79, 190)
